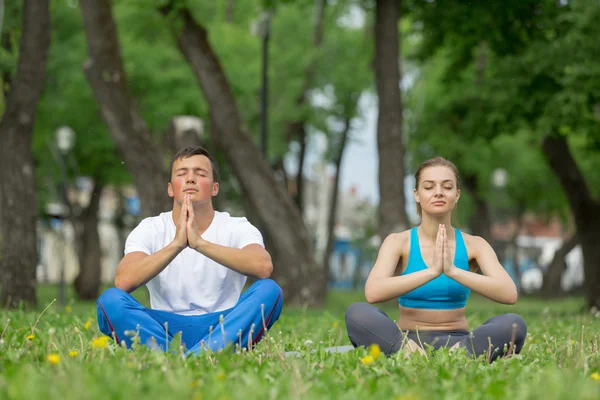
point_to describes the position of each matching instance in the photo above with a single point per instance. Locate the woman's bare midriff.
(432, 320)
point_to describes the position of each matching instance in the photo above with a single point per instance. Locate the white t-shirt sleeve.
(244, 233)
(141, 238)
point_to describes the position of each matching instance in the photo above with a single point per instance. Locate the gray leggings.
(367, 324)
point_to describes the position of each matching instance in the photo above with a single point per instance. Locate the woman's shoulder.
(398, 240)
(474, 242)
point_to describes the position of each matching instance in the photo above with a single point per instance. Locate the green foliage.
(495, 78)
(559, 361)
(67, 100)
(163, 85)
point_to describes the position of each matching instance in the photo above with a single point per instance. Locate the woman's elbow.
(512, 297)
(371, 294)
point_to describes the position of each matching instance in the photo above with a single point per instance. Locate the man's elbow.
(264, 269)
(122, 284)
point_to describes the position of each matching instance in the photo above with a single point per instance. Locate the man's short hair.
(195, 151)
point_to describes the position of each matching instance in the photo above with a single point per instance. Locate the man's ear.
(215, 189)
(170, 190)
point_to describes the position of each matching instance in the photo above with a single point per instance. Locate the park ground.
(60, 354)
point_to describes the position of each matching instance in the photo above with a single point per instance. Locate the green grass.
(560, 360)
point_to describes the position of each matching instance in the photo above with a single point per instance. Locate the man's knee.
(268, 287)
(111, 297)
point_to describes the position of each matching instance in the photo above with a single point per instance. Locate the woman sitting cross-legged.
(431, 269)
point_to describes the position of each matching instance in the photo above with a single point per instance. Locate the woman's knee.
(358, 313)
(518, 327)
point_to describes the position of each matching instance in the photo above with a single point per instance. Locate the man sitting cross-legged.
(195, 262)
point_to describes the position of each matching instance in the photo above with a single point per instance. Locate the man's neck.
(204, 215)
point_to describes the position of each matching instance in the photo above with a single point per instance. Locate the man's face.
(193, 176)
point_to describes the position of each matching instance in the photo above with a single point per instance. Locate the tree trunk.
(332, 214)
(551, 285)
(479, 222)
(392, 211)
(229, 12)
(106, 75)
(89, 251)
(5, 43)
(18, 208)
(296, 129)
(302, 279)
(586, 212)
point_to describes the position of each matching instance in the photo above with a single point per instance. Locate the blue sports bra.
(439, 293)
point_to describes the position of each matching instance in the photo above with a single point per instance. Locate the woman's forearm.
(383, 289)
(502, 291)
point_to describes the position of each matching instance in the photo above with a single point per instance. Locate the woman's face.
(437, 192)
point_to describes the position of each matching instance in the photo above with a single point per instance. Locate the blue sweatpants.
(257, 309)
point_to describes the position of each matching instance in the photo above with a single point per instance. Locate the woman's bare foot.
(411, 346)
(456, 346)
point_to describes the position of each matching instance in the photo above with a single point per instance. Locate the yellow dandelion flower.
(221, 376)
(198, 396)
(572, 342)
(30, 337)
(596, 376)
(336, 324)
(375, 351)
(366, 360)
(53, 358)
(73, 353)
(87, 325)
(100, 343)
(406, 397)
(68, 309)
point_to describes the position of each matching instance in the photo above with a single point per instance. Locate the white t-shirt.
(193, 284)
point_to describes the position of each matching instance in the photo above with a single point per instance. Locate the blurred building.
(536, 243)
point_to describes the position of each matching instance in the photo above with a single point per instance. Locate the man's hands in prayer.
(181, 237)
(194, 239)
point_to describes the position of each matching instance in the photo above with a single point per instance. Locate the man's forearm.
(134, 274)
(246, 262)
